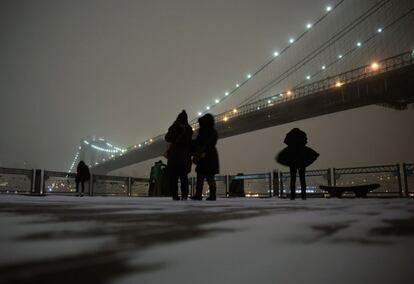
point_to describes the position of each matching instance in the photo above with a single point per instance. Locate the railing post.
(38, 182)
(405, 173)
(91, 181)
(129, 186)
(276, 183)
(329, 174)
(227, 185)
(32, 181)
(270, 185)
(399, 180)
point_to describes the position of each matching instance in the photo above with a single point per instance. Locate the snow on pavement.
(118, 240)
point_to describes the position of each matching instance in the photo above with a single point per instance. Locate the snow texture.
(62, 239)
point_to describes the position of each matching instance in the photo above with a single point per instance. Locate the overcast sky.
(124, 69)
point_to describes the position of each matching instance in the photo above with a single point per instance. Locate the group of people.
(183, 151)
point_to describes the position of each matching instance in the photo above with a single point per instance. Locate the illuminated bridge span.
(357, 53)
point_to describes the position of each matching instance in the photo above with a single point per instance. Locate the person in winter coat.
(206, 156)
(178, 154)
(297, 156)
(82, 175)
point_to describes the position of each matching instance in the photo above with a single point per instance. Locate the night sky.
(124, 69)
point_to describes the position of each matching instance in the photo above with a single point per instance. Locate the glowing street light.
(225, 118)
(328, 8)
(249, 76)
(375, 66)
(235, 111)
(289, 93)
(275, 54)
(309, 25)
(217, 101)
(207, 108)
(308, 77)
(291, 40)
(323, 67)
(338, 84)
(226, 94)
(199, 113)
(359, 44)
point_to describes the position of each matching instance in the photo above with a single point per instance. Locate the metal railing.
(60, 182)
(388, 176)
(221, 184)
(16, 181)
(392, 179)
(253, 185)
(314, 178)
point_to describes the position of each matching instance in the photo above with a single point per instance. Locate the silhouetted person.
(156, 176)
(82, 175)
(206, 156)
(297, 156)
(178, 154)
(236, 188)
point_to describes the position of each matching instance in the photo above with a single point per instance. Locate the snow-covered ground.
(58, 239)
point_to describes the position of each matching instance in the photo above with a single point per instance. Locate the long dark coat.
(179, 136)
(82, 172)
(206, 143)
(296, 154)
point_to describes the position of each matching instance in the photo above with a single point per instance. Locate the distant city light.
(359, 44)
(375, 65)
(249, 76)
(207, 107)
(328, 8)
(340, 56)
(275, 54)
(289, 93)
(226, 94)
(199, 113)
(235, 110)
(379, 30)
(291, 40)
(309, 25)
(237, 85)
(225, 118)
(338, 84)
(308, 77)
(323, 67)
(216, 101)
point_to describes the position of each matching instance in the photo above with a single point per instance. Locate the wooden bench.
(358, 190)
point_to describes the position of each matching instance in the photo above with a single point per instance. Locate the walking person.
(82, 175)
(206, 157)
(297, 156)
(179, 136)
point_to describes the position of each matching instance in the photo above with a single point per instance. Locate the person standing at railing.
(297, 156)
(82, 175)
(178, 154)
(206, 156)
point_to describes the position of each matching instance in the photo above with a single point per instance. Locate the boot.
(212, 194)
